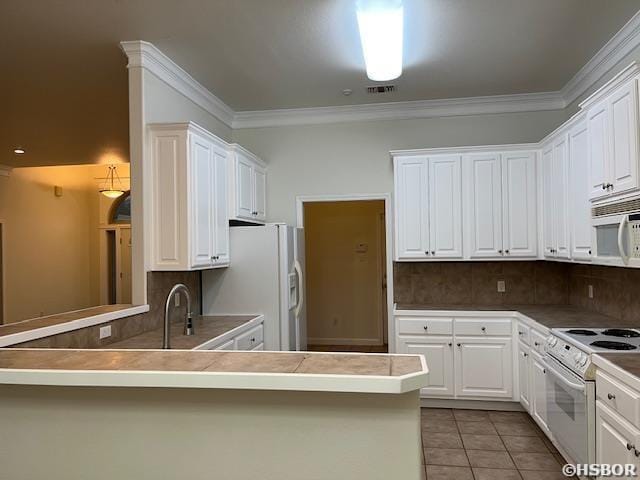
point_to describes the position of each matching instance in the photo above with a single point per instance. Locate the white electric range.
(570, 382)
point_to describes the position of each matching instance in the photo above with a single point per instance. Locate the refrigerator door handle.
(298, 269)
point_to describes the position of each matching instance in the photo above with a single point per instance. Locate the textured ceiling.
(64, 81)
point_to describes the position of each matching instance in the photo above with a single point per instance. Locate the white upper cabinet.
(555, 196)
(519, 204)
(500, 204)
(612, 136)
(247, 186)
(579, 204)
(445, 206)
(189, 198)
(483, 174)
(548, 223)
(428, 207)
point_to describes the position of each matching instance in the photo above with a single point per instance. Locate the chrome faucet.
(188, 321)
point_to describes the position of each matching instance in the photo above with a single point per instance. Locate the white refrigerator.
(265, 276)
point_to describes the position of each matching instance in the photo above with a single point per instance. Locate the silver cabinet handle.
(520, 333)
(525, 354)
(636, 452)
(433, 252)
(426, 253)
(426, 327)
(537, 344)
(507, 252)
(500, 252)
(611, 396)
(459, 344)
(484, 329)
(630, 447)
(450, 344)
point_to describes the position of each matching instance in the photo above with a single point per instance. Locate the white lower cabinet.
(538, 382)
(438, 352)
(524, 375)
(246, 337)
(483, 367)
(617, 440)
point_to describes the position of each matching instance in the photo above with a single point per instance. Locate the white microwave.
(616, 233)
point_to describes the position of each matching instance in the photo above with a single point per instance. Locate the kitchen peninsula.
(209, 414)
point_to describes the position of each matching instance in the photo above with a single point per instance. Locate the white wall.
(354, 157)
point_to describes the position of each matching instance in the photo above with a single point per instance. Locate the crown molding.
(146, 55)
(5, 170)
(526, 102)
(618, 47)
(507, 147)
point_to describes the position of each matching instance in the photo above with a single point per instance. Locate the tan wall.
(51, 244)
(344, 285)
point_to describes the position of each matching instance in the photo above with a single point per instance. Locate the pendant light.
(109, 188)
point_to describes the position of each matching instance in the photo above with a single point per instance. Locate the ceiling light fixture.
(19, 151)
(109, 188)
(381, 23)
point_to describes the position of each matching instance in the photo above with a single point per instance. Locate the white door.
(483, 367)
(598, 149)
(412, 215)
(519, 204)
(524, 370)
(616, 439)
(560, 196)
(220, 209)
(202, 187)
(244, 188)
(580, 206)
(483, 179)
(623, 165)
(445, 206)
(539, 391)
(548, 208)
(259, 193)
(438, 352)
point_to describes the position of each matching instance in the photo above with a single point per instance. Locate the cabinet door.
(598, 149)
(220, 209)
(438, 352)
(560, 196)
(484, 205)
(548, 208)
(412, 215)
(519, 204)
(244, 188)
(616, 439)
(580, 206)
(445, 206)
(539, 391)
(623, 164)
(483, 367)
(524, 371)
(260, 193)
(202, 200)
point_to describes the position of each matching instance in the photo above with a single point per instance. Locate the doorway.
(346, 265)
(1, 274)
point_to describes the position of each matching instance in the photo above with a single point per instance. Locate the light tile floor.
(486, 445)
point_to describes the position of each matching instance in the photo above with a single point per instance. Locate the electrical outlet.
(501, 286)
(176, 299)
(105, 332)
(590, 291)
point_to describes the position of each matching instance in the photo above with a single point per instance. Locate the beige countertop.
(205, 327)
(550, 316)
(628, 362)
(337, 372)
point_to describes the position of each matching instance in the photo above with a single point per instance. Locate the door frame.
(388, 211)
(3, 269)
(102, 247)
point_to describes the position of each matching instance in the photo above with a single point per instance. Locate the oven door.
(568, 410)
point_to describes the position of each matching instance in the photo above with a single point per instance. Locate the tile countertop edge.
(309, 382)
(617, 371)
(71, 325)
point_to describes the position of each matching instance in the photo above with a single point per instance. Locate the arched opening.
(120, 212)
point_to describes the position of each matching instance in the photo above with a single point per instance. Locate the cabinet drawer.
(258, 347)
(618, 397)
(425, 326)
(524, 333)
(483, 327)
(250, 339)
(225, 346)
(537, 341)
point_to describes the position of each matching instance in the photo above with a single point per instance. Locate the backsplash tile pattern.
(468, 283)
(158, 286)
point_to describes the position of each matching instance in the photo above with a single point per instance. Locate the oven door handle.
(563, 379)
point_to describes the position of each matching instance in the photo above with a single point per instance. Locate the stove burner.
(578, 331)
(613, 345)
(621, 332)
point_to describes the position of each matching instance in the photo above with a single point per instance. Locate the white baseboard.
(344, 341)
(508, 406)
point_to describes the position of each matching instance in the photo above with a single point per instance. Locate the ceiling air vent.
(381, 89)
(629, 206)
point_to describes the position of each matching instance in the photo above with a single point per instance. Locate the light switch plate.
(501, 286)
(105, 332)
